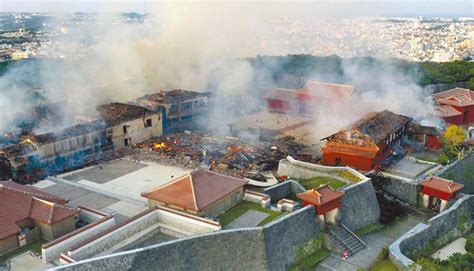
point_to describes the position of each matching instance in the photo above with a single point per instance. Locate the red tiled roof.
(320, 195)
(196, 190)
(447, 111)
(441, 184)
(456, 96)
(19, 203)
(327, 90)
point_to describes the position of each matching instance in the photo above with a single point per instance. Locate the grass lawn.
(369, 229)
(317, 181)
(385, 265)
(235, 212)
(312, 260)
(35, 247)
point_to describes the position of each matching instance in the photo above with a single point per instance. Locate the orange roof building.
(199, 192)
(456, 106)
(366, 143)
(24, 208)
(324, 198)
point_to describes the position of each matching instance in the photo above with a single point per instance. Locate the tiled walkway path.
(375, 243)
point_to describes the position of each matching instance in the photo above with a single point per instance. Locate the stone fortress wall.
(439, 230)
(271, 247)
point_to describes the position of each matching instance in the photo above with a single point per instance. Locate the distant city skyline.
(400, 8)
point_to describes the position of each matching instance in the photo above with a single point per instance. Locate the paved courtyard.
(125, 177)
(409, 168)
(375, 243)
(250, 219)
(105, 172)
(78, 196)
(114, 187)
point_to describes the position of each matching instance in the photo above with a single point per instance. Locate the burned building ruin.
(180, 108)
(367, 142)
(118, 126)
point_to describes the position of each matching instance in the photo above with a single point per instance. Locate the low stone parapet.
(256, 197)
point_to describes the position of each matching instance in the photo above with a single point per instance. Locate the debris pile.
(227, 155)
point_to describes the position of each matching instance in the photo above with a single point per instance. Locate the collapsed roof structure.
(366, 142)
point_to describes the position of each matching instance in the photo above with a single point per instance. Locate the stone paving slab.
(377, 241)
(335, 262)
(250, 219)
(105, 172)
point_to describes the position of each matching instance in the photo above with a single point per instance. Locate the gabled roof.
(371, 129)
(321, 195)
(327, 90)
(282, 94)
(456, 96)
(19, 202)
(196, 190)
(443, 185)
(446, 111)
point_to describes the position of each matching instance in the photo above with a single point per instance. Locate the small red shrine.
(326, 201)
(437, 192)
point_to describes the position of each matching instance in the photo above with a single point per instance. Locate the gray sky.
(434, 8)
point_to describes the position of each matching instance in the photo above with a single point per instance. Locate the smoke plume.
(178, 46)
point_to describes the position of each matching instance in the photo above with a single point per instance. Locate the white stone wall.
(262, 199)
(302, 170)
(90, 216)
(185, 225)
(171, 222)
(52, 253)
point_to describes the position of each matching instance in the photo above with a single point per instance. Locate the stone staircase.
(344, 239)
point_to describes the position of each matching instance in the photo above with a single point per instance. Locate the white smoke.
(196, 46)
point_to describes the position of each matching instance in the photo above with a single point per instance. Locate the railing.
(353, 234)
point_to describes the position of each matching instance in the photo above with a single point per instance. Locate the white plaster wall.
(257, 199)
(109, 240)
(185, 225)
(174, 224)
(89, 216)
(332, 216)
(52, 253)
(303, 170)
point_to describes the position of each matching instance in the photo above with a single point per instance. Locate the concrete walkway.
(457, 245)
(375, 243)
(250, 219)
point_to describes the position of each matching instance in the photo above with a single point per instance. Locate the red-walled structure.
(367, 142)
(307, 99)
(440, 188)
(433, 142)
(282, 100)
(324, 198)
(456, 106)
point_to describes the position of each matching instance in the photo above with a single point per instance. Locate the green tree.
(452, 140)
